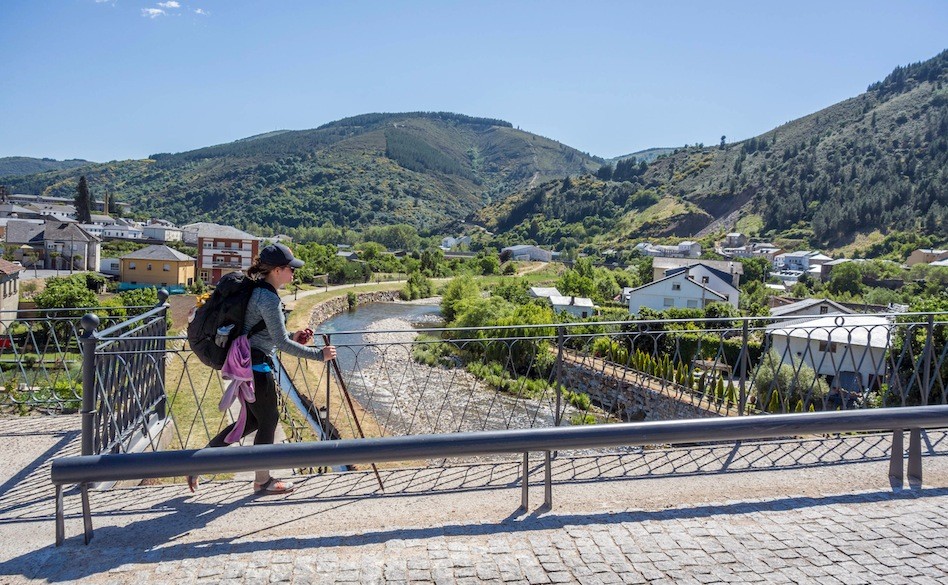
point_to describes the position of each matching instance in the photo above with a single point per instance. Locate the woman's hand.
(303, 336)
(329, 353)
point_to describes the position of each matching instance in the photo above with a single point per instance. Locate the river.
(406, 397)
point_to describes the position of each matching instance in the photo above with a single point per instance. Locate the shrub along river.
(407, 397)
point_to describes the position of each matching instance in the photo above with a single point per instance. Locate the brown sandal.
(273, 486)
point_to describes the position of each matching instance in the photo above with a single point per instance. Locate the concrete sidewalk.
(797, 511)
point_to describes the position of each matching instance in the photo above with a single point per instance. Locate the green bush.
(417, 287)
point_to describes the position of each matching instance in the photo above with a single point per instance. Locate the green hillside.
(873, 163)
(15, 166)
(423, 169)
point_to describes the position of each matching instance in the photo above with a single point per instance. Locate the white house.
(449, 243)
(163, 231)
(809, 308)
(802, 261)
(110, 266)
(68, 245)
(9, 293)
(541, 292)
(686, 249)
(677, 290)
(662, 267)
(752, 250)
(525, 252)
(716, 280)
(849, 350)
(580, 307)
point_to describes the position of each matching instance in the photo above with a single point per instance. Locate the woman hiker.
(273, 269)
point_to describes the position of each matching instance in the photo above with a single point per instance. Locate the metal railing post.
(162, 348)
(742, 399)
(915, 457)
(558, 415)
(927, 367)
(88, 340)
(897, 457)
(328, 340)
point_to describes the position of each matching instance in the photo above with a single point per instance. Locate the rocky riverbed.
(407, 397)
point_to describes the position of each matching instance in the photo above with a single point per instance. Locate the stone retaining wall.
(336, 305)
(631, 399)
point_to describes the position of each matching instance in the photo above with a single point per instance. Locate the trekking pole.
(355, 417)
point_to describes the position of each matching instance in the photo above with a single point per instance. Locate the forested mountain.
(876, 162)
(418, 168)
(14, 166)
(868, 165)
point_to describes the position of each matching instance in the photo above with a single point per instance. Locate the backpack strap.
(260, 326)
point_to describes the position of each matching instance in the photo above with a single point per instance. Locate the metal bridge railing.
(40, 357)
(86, 469)
(534, 376)
(529, 376)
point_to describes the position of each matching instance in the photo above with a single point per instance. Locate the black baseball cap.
(279, 255)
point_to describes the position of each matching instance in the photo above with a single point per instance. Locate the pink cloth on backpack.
(237, 368)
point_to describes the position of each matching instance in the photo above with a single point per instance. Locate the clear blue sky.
(119, 79)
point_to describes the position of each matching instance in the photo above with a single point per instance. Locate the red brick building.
(223, 249)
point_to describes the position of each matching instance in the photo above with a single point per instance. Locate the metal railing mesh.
(152, 392)
(40, 357)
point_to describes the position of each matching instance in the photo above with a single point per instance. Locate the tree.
(458, 290)
(83, 201)
(755, 269)
(781, 382)
(723, 142)
(846, 277)
(489, 264)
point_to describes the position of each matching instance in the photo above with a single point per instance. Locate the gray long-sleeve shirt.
(266, 305)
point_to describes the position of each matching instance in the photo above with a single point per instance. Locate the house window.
(166, 267)
(669, 302)
(149, 266)
(824, 310)
(827, 346)
(131, 266)
(692, 304)
(704, 280)
(204, 275)
(207, 244)
(676, 286)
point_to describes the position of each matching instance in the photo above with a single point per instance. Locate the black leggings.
(262, 414)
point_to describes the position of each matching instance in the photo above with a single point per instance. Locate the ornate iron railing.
(40, 356)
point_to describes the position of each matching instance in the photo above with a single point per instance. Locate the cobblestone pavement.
(819, 511)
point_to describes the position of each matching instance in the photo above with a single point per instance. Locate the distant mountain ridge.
(16, 166)
(875, 162)
(421, 168)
